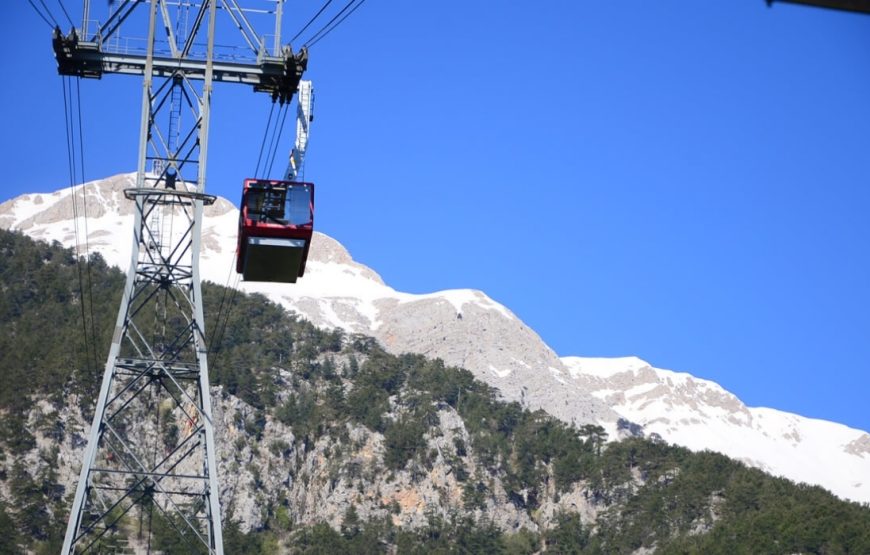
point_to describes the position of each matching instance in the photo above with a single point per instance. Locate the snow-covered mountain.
(466, 328)
(700, 414)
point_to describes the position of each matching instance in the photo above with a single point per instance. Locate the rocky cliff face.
(325, 440)
(317, 478)
(466, 328)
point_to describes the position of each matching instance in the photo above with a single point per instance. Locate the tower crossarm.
(278, 76)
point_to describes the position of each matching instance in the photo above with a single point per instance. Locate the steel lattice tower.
(150, 461)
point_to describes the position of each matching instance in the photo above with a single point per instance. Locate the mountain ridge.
(468, 329)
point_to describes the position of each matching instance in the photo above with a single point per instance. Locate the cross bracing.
(151, 456)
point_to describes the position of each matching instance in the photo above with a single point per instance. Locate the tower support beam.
(151, 458)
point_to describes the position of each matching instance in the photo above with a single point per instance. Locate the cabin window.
(298, 205)
(289, 205)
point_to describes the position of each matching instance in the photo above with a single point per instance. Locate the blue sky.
(679, 180)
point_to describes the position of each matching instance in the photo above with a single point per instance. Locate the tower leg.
(151, 449)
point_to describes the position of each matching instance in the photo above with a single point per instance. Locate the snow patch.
(499, 373)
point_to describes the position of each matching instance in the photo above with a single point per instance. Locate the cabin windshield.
(285, 205)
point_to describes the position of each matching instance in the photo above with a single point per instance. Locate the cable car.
(276, 222)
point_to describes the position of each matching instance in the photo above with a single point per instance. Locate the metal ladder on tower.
(304, 117)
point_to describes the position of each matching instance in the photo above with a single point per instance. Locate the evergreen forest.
(57, 315)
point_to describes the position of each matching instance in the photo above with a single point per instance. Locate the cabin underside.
(273, 259)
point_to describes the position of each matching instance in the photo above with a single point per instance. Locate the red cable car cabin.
(275, 227)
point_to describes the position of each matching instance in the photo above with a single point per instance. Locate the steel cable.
(313, 41)
(69, 131)
(53, 20)
(326, 29)
(85, 210)
(217, 333)
(310, 21)
(65, 13)
(41, 15)
(265, 136)
(278, 140)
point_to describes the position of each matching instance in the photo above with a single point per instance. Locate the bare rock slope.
(466, 328)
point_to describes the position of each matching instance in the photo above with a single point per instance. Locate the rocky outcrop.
(466, 328)
(317, 482)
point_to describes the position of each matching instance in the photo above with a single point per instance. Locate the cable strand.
(265, 136)
(316, 36)
(69, 132)
(310, 21)
(216, 337)
(323, 36)
(81, 145)
(40, 14)
(49, 13)
(278, 141)
(66, 13)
